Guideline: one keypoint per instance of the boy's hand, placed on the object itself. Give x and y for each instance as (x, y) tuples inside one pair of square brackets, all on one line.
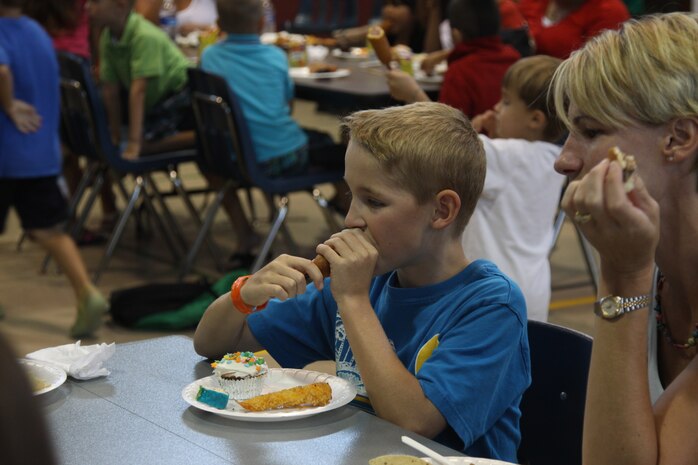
[(132, 151), (486, 123), (403, 87), (283, 278), (24, 116), (352, 256)]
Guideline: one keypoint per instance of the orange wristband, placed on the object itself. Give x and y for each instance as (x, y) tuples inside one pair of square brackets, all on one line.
[(238, 303)]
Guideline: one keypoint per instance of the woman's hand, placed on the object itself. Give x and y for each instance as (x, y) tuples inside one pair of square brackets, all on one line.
[(283, 278), (352, 256), (623, 227)]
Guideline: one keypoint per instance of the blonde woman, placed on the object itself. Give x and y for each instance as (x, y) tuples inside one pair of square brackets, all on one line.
[(637, 88)]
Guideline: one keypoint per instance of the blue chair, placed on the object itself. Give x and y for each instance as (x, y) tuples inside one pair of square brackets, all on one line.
[(87, 133), (552, 409), (227, 149), (321, 17)]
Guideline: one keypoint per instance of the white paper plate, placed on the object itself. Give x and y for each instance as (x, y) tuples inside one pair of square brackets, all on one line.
[(354, 53), (279, 378), (470, 461), (49, 374), (425, 78), (304, 73)]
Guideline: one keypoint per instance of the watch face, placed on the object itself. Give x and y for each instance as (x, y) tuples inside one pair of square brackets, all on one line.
[(610, 307)]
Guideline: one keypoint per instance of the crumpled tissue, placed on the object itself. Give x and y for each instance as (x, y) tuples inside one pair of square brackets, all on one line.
[(78, 362)]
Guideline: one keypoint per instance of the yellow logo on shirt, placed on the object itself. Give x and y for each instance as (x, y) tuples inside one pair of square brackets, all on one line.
[(425, 352)]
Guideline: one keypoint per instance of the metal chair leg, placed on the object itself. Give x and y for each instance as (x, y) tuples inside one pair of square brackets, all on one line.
[(120, 225), (203, 231), (282, 211), (210, 243)]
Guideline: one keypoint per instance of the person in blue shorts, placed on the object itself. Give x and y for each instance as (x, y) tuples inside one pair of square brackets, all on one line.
[(436, 343), (30, 157)]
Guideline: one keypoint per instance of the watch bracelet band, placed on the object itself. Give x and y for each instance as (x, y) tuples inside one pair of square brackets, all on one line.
[(635, 303)]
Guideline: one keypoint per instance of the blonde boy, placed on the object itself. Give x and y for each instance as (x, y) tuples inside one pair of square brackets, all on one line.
[(435, 342), (513, 222)]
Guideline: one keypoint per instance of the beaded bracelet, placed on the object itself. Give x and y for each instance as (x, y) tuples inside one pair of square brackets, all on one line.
[(238, 303)]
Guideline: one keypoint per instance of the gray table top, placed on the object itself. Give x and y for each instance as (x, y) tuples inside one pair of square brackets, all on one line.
[(137, 415), (364, 88)]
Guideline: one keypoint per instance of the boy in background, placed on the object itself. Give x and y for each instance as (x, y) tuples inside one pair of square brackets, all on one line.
[(436, 343), (513, 222), (476, 65), (30, 158), (258, 74), (139, 57)]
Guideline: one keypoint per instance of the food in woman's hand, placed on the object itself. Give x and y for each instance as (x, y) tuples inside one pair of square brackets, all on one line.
[(309, 395), (627, 162), (318, 68), (397, 460), (381, 47)]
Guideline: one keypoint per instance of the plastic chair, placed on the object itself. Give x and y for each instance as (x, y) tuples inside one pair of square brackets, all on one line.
[(321, 17), (552, 409), (227, 149), (87, 134)]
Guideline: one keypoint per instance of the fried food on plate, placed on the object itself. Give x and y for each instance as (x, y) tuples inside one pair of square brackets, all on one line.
[(309, 395)]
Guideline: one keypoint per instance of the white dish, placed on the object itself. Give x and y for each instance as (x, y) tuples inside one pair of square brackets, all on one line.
[(279, 378), (425, 78), (43, 372), (354, 53), (304, 73), (470, 461)]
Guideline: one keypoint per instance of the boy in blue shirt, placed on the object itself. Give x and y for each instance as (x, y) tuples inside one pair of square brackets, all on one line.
[(435, 342), (258, 74), (30, 158)]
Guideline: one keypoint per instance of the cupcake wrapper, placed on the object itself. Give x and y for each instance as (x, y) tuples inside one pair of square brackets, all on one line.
[(241, 389)]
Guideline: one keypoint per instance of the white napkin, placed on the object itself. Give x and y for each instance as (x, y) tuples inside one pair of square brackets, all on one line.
[(78, 362)]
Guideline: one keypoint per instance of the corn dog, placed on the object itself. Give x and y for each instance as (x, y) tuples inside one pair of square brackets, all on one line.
[(310, 395), (379, 42)]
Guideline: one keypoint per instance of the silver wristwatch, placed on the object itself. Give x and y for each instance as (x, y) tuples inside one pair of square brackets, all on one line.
[(612, 306)]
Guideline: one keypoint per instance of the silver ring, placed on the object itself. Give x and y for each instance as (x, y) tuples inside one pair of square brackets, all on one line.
[(581, 218)]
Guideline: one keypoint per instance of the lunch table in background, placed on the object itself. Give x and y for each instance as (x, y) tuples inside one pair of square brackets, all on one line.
[(364, 88), (137, 415)]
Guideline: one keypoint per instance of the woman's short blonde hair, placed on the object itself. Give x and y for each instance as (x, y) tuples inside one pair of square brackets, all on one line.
[(646, 72), (424, 148)]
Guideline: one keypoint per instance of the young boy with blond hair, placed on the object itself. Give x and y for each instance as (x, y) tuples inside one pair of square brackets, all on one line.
[(513, 222), (435, 342)]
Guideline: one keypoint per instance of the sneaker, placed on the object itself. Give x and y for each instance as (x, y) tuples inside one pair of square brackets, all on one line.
[(91, 309)]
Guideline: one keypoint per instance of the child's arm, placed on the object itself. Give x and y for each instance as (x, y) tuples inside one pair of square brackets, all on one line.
[(395, 393), (136, 114), (224, 329), (404, 87), (23, 115), (112, 103)]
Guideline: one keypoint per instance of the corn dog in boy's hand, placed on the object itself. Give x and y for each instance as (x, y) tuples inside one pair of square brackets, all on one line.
[(322, 263), (379, 42)]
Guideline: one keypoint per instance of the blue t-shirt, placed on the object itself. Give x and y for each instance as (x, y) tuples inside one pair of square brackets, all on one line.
[(28, 51), (464, 339), (258, 74)]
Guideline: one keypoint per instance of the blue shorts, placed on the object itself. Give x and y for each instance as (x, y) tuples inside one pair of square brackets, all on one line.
[(40, 203)]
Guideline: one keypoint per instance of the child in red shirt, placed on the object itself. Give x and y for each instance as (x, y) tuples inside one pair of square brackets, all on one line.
[(476, 65)]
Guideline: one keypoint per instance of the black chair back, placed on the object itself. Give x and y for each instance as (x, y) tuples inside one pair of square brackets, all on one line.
[(552, 409)]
